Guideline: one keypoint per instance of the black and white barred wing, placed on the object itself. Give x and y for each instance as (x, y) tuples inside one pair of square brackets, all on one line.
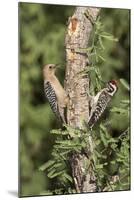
[(52, 99), (99, 108)]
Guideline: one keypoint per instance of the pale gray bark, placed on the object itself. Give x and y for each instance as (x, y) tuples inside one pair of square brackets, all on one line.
[(77, 84)]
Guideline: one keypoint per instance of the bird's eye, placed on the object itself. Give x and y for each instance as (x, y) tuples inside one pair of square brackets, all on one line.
[(50, 67)]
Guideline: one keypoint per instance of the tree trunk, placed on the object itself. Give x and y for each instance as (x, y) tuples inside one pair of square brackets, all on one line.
[(77, 86)]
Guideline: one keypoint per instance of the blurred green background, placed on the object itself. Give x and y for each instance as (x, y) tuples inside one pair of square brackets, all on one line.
[(42, 33)]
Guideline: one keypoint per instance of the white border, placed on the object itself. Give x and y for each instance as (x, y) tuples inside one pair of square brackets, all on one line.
[(9, 97), (96, 3)]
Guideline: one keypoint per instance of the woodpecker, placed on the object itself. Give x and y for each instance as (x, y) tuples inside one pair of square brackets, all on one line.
[(54, 92), (99, 103)]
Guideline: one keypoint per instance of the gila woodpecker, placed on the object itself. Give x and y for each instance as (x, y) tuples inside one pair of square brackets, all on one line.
[(54, 92), (99, 103)]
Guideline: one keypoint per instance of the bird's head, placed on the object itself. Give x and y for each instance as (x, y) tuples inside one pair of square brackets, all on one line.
[(112, 87), (49, 70)]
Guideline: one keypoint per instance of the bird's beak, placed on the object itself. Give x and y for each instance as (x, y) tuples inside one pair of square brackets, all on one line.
[(57, 65)]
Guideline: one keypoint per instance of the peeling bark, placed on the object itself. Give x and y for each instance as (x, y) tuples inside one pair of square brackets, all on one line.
[(76, 85)]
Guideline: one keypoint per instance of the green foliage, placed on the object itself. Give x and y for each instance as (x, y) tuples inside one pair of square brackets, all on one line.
[(42, 32), (96, 51), (111, 160), (67, 142), (111, 155), (125, 84)]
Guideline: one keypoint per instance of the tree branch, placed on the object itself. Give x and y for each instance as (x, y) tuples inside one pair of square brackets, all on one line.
[(77, 85)]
